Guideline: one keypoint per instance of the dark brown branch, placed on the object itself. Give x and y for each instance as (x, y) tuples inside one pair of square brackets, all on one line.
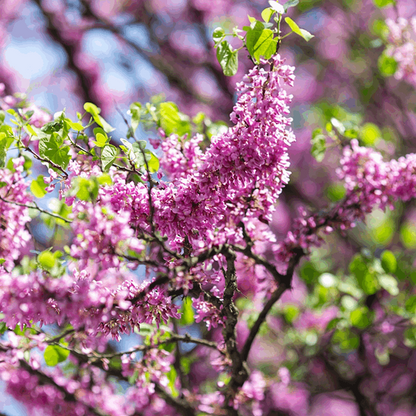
[(68, 397), (180, 405), (239, 368)]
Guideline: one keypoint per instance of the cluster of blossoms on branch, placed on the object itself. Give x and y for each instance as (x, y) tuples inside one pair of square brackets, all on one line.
[(402, 47), (141, 240), (370, 183)]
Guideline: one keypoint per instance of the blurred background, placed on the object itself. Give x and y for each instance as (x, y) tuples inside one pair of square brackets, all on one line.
[(114, 52)]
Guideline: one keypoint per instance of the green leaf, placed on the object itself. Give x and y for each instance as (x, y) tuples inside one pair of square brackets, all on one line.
[(389, 283), (187, 317), (92, 109), (277, 7), (410, 337), (379, 28), (266, 14), (291, 312), (290, 3), (296, 29), (101, 140), (365, 278), (74, 126), (335, 192), (18, 330), (95, 112), (410, 305), (153, 162), (387, 65), (260, 42), (346, 339), (228, 58), (2, 117), (52, 127), (38, 186), (172, 376), (54, 354), (46, 259), (383, 3), (318, 142), (370, 134), (332, 324), (105, 179), (218, 34), (388, 261), (408, 235), (86, 189), (169, 117), (361, 317), (135, 112), (108, 156), (3, 327), (6, 139), (52, 148), (309, 273)]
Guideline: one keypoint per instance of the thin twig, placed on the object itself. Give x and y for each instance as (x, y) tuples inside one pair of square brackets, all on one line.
[(36, 206)]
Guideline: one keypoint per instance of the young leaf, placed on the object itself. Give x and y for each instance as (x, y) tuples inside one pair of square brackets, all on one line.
[(218, 34), (277, 7), (46, 259), (153, 162), (290, 3), (318, 142), (387, 65), (108, 156), (187, 317), (266, 14), (135, 112), (5, 141), (228, 58), (101, 140), (260, 42), (169, 117), (95, 112), (383, 3), (38, 186), (52, 148), (361, 317), (364, 276), (74, 126), (86, 189), (388, 261), (296, 29), (54, 354)]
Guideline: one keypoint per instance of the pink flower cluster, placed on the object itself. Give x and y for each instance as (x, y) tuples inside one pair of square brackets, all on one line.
[(243, 171), (370, 182), (101, 234), (207, 312), (14, 237), (82, 302), (402, 47), (180, 156)]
